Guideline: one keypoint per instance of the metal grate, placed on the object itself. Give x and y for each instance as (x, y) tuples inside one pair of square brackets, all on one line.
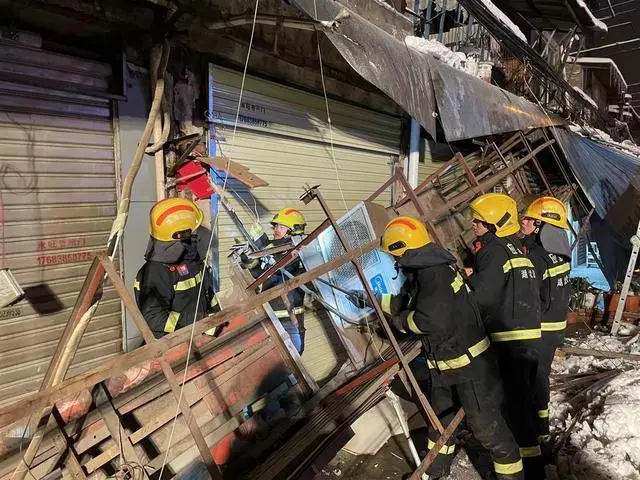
[(356, 229)]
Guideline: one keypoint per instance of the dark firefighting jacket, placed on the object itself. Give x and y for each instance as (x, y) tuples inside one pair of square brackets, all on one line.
[(167, 292), (552, 272), (506, 287), (296, 296), (435, 303)]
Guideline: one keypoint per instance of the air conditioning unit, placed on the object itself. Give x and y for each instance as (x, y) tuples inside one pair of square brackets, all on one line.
[(614, 109), (362, 224)]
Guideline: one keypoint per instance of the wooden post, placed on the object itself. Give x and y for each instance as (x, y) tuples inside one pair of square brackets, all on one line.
[(147, 335), (413, 383)]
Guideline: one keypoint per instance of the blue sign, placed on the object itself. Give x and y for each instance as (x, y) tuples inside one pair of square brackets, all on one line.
[(378, 285)]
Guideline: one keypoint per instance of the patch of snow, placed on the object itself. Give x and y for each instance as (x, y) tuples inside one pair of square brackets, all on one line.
[(586, 97), (506, 21), (606, 442), (598, 24), (603, 137), (441, 52)]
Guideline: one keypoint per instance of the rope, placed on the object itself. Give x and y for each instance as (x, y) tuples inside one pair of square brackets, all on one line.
[(335, 166), (213, 222)]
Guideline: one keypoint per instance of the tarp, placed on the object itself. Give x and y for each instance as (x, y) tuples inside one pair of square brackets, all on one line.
[(423, 86), (610, 179)]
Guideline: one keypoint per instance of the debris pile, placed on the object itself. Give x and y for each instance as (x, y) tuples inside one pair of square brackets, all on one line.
[(596, 422)]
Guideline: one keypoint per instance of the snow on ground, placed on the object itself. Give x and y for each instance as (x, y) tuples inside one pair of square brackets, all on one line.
[(499, 14), (438, 50), (605, 441), (586, 97)]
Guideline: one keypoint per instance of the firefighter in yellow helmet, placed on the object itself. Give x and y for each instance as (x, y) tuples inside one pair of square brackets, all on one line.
[(288, 222), (544, 224), (435, 304), (168, 284), (506, 287)]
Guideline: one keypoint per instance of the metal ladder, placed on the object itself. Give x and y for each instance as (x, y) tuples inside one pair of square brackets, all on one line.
[(635, 242)]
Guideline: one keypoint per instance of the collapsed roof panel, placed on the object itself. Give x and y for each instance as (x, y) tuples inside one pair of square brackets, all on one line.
[(420, 84)]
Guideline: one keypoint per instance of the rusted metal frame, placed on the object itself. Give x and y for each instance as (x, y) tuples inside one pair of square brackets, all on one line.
[(463, 197), (503, 160), (433, 453), (520, 176), (289, 257), (269, 251), (390, 181), (147, 335), (416, 203), (423, 186), (525, 141), (505, 147), (61, 360), (365, 377), (73, 464), (17, 410), (118, 434), (428, 411), (471, 178)]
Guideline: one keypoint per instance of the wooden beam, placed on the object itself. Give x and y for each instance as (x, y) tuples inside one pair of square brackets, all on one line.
[(61, 360), (433, 453), (599, 353), (74, 385), (124, 445), (147, 335)]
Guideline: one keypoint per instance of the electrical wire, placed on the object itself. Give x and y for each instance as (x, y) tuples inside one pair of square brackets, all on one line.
[(335, 165), (213, 222)]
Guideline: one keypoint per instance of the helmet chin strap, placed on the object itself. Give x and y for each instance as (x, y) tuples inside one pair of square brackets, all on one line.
[(538, 225)]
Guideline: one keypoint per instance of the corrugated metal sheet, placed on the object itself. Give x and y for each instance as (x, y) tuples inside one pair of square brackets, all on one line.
[(603, 173), (58, 201), (283, 137)]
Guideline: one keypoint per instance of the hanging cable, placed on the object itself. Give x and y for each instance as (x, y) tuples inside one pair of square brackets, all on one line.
[(213, 222)]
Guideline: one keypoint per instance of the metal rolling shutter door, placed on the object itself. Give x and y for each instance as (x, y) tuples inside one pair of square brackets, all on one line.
[(58, 201), (283, 137)]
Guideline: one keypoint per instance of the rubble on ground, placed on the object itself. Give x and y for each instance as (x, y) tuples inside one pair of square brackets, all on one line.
[(599, 430)]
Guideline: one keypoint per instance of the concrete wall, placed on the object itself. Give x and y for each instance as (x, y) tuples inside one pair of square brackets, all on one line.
[(132, 116)]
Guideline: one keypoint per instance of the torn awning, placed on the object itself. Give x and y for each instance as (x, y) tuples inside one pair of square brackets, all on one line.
[(610, 179), (423, 86)]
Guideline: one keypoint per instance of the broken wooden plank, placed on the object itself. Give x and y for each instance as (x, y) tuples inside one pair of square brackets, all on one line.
[(74, 385), (241, 173), (600, 353)]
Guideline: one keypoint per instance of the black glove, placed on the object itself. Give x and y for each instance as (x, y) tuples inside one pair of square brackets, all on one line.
[(397, 322), (359, 299)]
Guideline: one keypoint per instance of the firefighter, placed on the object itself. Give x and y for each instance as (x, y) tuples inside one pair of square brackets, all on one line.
[(286, 223), (435, 303), (506, 287), (544, 224), (173, 288)]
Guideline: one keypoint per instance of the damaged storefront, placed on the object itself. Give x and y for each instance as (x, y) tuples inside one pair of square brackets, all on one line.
[(261, 133)]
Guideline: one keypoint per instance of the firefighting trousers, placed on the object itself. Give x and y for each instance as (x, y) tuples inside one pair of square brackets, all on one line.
[(550, 342), (518, 365), (481, 399)]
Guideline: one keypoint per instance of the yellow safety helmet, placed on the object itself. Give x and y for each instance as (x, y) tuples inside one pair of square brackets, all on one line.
[(549, 210), (499, 210), (173, 215), (402, 234), (290, 218)]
